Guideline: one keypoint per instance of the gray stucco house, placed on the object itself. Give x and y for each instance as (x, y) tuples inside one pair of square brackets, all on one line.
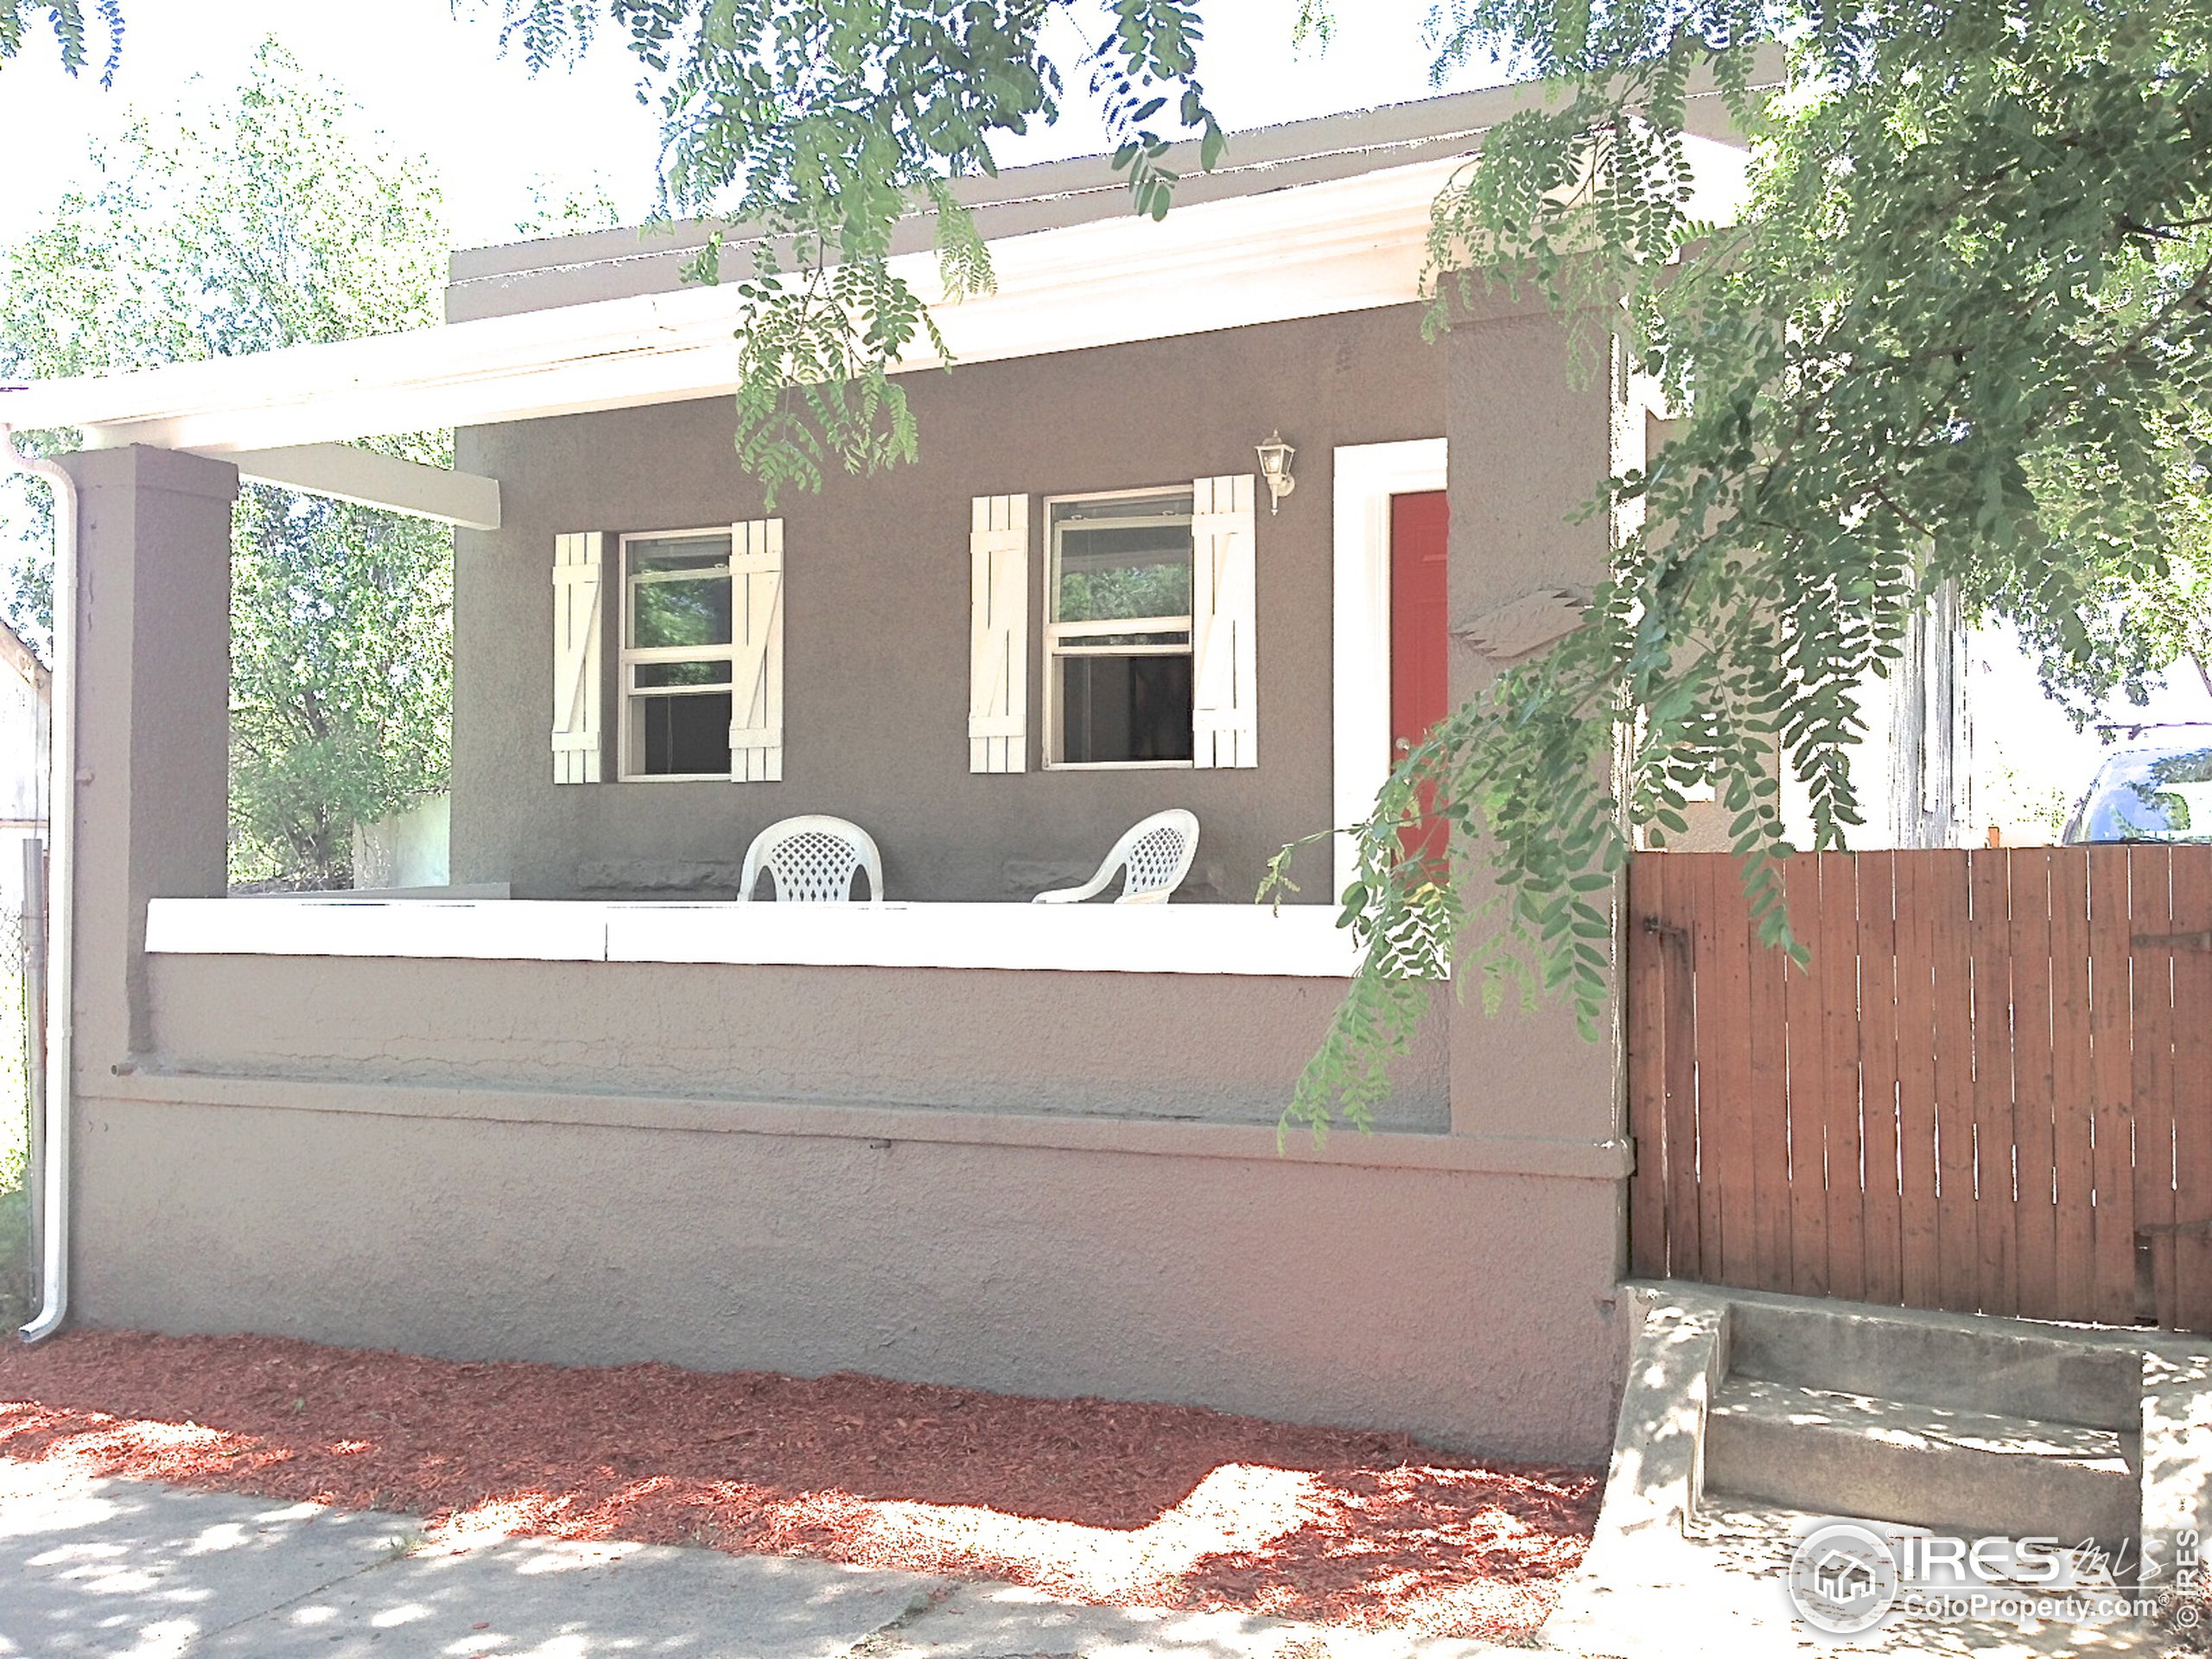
[(954, 1136)]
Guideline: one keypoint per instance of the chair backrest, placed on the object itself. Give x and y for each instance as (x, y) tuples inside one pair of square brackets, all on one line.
[(812, 861), (1157, 853)]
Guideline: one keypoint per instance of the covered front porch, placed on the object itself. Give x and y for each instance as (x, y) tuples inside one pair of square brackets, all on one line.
[(952, 1135)]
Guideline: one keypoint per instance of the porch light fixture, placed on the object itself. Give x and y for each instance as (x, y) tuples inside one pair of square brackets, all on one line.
[(1274, 467)]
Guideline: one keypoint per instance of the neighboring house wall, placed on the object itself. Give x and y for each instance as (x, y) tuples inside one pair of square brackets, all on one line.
[(1930, 798), (26, 721), (876, 625), (1911, 769), (407, 849)]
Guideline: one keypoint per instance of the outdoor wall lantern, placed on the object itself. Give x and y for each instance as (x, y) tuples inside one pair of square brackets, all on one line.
[(1274, 467)]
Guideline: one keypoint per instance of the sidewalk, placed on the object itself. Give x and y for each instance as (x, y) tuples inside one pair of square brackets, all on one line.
[(126, 1569)]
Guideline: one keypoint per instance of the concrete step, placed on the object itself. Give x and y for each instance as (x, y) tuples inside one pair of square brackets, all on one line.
[(1949, 1468), (1898, 1356)]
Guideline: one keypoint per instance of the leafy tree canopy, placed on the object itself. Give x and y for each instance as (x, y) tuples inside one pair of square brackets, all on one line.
[(67, 18), (260, 225)]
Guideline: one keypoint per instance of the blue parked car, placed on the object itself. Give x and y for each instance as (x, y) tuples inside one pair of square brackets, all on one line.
[(2161, 792)]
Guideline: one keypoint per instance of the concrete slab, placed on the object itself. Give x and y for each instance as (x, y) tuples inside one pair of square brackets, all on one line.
[(127, 1568), (997, 1621), (539, 1599)]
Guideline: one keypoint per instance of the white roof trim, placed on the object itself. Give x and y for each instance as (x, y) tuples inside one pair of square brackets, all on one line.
[(1313, 250), (1309, 250)]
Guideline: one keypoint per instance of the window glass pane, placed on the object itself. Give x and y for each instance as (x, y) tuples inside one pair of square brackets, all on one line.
[(679, 592), (1122, 558), (696, 555), (684, 734), (651, 675), (1080, 642), (1125, 708)]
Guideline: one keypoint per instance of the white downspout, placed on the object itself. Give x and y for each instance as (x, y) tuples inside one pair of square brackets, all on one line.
[(60, 890)]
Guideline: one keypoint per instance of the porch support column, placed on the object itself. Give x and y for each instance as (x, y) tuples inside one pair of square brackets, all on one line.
[(1528, 445), (153, 722)]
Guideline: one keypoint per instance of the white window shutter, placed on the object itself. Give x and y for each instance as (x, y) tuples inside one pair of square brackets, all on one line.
[(998, 634), (1225, 716), (756, 703), (578, 563)]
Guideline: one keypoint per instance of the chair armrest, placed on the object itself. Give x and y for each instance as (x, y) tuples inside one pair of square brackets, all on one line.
[(1089, 889)]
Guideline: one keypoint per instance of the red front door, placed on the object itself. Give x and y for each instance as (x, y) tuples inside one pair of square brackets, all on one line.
[(1421, 693)]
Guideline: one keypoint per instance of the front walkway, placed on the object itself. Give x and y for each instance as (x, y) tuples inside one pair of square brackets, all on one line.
[(129, 1569)]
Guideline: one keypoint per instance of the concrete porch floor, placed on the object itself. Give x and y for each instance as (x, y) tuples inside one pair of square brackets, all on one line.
[(128, 1569)]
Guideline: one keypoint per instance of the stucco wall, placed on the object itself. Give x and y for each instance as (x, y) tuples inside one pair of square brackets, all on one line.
[(876, 618), (1212, 1048), (1471, 1308)]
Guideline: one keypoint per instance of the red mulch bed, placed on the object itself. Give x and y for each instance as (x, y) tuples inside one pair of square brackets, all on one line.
[(1083, 1499)]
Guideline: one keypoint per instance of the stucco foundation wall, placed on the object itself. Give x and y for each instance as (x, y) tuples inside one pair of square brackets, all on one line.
[(1455, 1305), (1221, 1048), (876, 618)]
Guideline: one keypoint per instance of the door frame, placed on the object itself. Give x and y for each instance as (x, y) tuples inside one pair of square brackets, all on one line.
[(1367, 476)]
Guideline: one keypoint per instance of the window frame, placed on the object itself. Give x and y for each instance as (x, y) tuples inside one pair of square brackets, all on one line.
[(629, 658), (1056, 634)]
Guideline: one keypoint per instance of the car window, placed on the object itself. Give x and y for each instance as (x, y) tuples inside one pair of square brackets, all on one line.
[(2148, 795)]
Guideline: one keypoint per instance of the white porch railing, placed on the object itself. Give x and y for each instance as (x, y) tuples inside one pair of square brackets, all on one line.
[(1301, 941)]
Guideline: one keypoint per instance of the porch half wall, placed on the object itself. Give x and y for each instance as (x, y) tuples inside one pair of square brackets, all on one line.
[(1190, 1048), (1060, 1182)]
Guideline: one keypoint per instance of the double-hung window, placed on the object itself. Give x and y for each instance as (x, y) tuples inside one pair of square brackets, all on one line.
[(1117, 632), (677, 655)]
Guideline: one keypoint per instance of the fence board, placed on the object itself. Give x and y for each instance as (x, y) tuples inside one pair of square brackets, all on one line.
[(1808, 1203), (1950, 923), (1704, 915), (1995, 1213), (1917, 1202), (1646, 990), (2151, 921), (1836, 966), (1770, 1109), (2035, 1149), (1685, 1205), (1995, 1080), (2112, 1072), (1724, 1056), (1877, 1061), (2192, 1085), (2073, 1090)]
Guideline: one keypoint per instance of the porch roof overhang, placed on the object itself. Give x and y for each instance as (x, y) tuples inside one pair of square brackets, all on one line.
[(1313, 249)]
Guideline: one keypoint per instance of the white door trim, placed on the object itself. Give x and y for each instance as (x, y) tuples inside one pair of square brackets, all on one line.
[(1367, 475)]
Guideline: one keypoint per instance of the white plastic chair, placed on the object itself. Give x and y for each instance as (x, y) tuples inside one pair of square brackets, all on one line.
[(1156, 851), (812, 861)]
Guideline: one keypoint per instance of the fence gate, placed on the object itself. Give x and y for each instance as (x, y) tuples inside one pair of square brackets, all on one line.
[(1989, 1091)]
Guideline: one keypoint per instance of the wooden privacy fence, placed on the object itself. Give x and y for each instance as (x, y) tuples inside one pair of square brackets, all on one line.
[(1989, 1091)]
